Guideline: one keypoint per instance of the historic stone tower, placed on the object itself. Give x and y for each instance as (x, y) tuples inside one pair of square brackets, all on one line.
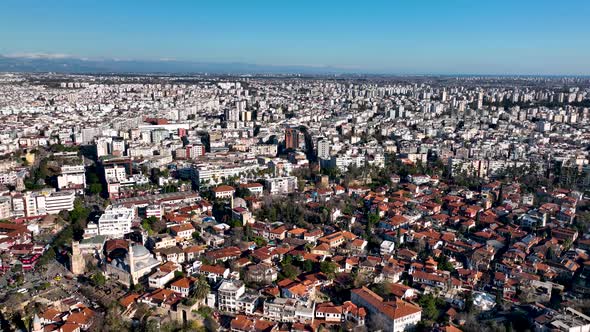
[(77, 262)]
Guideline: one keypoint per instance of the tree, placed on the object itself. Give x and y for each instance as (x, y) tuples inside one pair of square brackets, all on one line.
[(332, 172), (582, 222), (428, 304), (210, 324), (147, 227), (567, 243), (307, 265), (469, 307), (444, 264), (243, 192), (201, 289), (550, 254), (328, 268), (382, 289), (260, 242), (98, 279), (289, 271), (153, 225), (113, 321), (373, 218), (95, 188)]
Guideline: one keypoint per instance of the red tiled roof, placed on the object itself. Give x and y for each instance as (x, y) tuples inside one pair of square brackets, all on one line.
[(393, 310)]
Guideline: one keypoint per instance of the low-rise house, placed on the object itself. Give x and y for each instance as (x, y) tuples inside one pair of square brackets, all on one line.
[(242, 323), (223, 192), (183, 286), (160, 241), (163, 275), (161, 298), (353, 313), (223, 254), (213, 273), (255, 188), (192, 252), (437, 280), (358, 245), (397, 316), (182, 231), (287, 311), (313, 236), (170, 254), (262, 273), (329, 312), (301, 291)]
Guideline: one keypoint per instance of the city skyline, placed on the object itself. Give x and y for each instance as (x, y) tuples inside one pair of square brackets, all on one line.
[(502, 38)]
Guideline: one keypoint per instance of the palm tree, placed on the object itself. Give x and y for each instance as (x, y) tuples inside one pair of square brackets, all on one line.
[(202, 289)]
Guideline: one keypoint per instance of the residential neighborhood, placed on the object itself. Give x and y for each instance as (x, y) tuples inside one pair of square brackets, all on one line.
[(217, 203)]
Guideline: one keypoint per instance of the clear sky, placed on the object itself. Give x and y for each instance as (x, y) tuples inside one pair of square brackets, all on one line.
[(412, 36)]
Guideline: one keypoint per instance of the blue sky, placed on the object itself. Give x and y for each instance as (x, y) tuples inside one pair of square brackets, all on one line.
[(439, 36)]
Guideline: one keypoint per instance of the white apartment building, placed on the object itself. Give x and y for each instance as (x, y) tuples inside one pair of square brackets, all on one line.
[(72, 177), (324, 149), (209, 174), (8, 177), (264, 149), (115, 173), (18, 206), (116, 221), (39, 203), (228, 294), (287, 311), (118, 147), (386, 247), (281, 185), (343, 162), (59, 201), (102, 146), (5, 207)]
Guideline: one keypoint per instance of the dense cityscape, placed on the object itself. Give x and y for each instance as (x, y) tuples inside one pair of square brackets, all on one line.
[(294, 203)]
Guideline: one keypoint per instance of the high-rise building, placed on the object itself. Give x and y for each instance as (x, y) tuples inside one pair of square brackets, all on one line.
[(246, 116), (233, 114), (102, 146), (480, 100), (291, 138), (324, 149)]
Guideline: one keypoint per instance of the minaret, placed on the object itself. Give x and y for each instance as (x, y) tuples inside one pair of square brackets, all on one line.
[(131, 263), (36, 326)]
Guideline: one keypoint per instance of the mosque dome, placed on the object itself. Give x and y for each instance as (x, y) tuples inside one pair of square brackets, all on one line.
[(140, 251)]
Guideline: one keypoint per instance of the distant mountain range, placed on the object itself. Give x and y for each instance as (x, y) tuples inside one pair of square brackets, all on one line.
[(66, 64)]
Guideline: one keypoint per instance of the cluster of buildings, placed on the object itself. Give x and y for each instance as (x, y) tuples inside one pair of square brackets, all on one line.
[(188, 167)]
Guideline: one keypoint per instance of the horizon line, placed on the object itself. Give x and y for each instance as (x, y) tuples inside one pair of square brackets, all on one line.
[(337, 70)]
